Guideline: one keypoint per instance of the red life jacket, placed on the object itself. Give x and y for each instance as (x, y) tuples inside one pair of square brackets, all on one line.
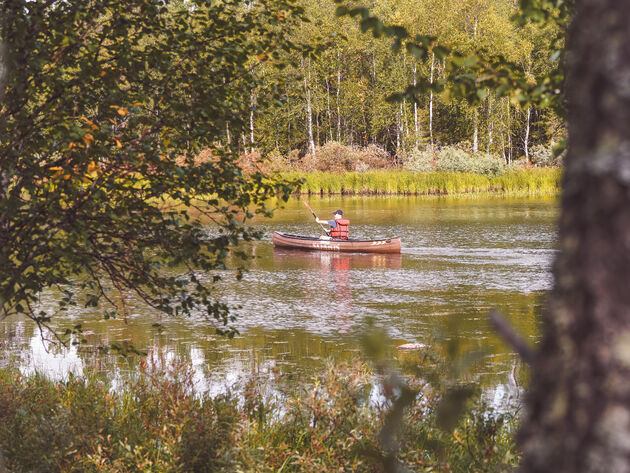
[(341, 230)]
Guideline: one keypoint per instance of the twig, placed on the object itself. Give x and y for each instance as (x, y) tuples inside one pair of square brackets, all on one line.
[(511, 337)]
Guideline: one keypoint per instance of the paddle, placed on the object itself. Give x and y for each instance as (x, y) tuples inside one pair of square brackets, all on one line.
[(309, 207)]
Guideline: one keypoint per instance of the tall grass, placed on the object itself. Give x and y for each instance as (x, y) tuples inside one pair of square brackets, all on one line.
[(537, 181), (157, 423)]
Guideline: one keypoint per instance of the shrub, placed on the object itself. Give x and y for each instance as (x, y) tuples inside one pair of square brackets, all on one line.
[(330, 423), (277, 162), (335, 157), (421, 160), (457, 160), (543, 156)]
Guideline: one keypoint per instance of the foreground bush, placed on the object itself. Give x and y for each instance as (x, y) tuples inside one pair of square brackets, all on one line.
[(158, 423)]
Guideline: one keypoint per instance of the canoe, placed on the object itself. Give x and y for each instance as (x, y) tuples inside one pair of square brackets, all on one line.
[(288, 240)]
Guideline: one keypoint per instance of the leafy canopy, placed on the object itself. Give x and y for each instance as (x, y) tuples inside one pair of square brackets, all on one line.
[(105, 106), (469, 75)]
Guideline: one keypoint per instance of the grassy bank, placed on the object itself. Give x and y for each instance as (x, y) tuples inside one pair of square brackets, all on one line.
[(534, 182), (158, 423)]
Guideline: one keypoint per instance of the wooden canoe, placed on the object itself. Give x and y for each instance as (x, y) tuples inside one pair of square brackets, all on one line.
[(287, 240)]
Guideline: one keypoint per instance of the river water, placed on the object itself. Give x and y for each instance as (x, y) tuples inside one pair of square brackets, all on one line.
[(297, 311)]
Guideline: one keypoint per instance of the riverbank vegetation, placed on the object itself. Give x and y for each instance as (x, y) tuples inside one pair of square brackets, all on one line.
[(530, 182), (338, 421), (341, 169)]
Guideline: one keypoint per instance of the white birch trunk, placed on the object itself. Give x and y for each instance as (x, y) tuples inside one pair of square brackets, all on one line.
[(309, 112), (397, 132), (509, 133), (338, 105), (490, 123), (402, 125), (475, 132), (415, 108), (431, 100), (252, 100), (526, 140)]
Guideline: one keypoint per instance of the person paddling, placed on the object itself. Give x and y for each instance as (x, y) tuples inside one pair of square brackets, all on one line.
[(338, 226)]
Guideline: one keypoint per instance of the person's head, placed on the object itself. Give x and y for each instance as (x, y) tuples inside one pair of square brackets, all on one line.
[(338, 214)]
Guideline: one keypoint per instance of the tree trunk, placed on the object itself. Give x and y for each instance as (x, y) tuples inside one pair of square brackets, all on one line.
[(431, 100), (509, 132), (338, 105), (490, 123), (578, 416), (415, 110), (252, 101), (397, 133), (309, 112), (403, 111), (475, 132), (330, 129), (288, 108), (526, 140), (402, 126), (317, 128)]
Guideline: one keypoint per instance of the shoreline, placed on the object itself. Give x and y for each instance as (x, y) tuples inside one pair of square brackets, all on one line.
[(525, 182)]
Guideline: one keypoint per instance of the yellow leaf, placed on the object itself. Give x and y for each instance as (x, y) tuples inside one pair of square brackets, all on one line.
[(92, 167), (58, 171), (88, 138), (118, 143), (114, 106)]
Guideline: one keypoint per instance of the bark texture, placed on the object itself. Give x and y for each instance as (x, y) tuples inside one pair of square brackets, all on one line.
[(578, 417)]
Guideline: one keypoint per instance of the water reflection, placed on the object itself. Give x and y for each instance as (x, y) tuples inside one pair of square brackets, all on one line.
[(336, 262), (333, 270)]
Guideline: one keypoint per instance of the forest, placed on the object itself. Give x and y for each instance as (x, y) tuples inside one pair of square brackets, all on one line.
[(340, 92)]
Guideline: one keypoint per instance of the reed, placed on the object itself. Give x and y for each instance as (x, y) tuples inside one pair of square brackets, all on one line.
[(535, 182)]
